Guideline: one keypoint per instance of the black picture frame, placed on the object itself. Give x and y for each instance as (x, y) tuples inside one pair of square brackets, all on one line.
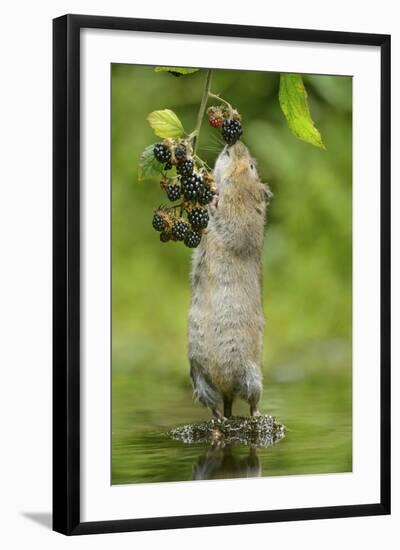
[(66, 273)]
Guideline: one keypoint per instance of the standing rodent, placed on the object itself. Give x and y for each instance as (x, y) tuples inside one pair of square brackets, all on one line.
[(226, 320)]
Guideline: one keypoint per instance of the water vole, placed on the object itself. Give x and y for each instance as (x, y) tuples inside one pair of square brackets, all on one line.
[(226, 320)]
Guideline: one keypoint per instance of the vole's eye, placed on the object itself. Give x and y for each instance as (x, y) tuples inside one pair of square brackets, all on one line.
[(251, 166)]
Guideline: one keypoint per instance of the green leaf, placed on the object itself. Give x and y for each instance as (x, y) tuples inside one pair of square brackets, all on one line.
[(176, 71), (166, 124), (293, 101), (149, 167)]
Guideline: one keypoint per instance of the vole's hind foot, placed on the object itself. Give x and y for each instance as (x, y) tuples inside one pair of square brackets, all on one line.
[(217, 414), (254, 411), (227, 407)]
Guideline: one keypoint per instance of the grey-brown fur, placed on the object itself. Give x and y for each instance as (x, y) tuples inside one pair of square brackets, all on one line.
[(226, 320)]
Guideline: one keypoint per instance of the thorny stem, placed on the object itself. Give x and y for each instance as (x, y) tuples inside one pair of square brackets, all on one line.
[(174, 206), (203, 105)]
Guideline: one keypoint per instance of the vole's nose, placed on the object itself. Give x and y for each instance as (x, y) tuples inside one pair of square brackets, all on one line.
[(238, 150)]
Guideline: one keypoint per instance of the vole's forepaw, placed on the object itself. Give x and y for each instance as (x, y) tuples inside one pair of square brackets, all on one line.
[(213, 204)]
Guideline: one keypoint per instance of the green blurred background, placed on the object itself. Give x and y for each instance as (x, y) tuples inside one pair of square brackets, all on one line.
[(307, 278)]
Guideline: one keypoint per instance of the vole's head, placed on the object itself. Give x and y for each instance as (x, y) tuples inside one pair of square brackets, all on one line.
[(236, 170)]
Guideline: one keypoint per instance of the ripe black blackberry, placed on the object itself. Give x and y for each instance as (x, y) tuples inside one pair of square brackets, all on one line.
[(192, 239), (198, 218), (204, 195), (162, 153), (190, 186), (185, 168), (173, 192), (180, 230), (158, 222), (168, 165), (231, 130), (165, 237), (180, 153)]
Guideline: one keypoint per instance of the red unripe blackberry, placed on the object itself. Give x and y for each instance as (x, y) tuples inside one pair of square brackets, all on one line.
[(192, 239), (180, 230), (173, 192), (185, 168), (231, 130), (162, 153), (216, 121), (198, 218), (158, 222)]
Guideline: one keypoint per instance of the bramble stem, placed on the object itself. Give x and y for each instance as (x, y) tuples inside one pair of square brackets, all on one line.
[(203, 105), (215, 96), (203, 162)]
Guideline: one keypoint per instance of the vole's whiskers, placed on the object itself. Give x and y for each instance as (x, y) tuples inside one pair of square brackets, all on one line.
[(217, 140), (209, 148)]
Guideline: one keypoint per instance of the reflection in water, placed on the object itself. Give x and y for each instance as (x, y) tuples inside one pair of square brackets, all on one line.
[(224, 463), (232, 444)]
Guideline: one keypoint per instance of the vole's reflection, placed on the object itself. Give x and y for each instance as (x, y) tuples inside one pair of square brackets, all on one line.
[(225, 463)]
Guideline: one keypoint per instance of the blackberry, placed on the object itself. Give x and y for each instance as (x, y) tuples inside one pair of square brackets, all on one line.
[(161, 153), (198, 218), (231, 131), (180, 230), (215, 117), (165, 237), (192, 239), (191, 186), (185, 168), (158, 222), (180, 153), (215, 121), (168, 165), (204, 195), (173, 192)]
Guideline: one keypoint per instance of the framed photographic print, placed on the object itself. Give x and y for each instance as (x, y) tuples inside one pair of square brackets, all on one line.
[(221, 274)]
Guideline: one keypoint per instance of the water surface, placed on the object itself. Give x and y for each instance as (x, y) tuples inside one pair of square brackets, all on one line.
[(315, 409)]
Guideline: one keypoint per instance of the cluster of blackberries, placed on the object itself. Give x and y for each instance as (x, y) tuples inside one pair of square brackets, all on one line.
[(195, 185), (172, 228), (190, 182), (229, 122), (170, 154), (194, 188)]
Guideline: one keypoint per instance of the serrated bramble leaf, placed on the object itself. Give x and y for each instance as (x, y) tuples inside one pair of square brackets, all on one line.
[(166, 124), (177, 71), (294, 104), (149, 167)]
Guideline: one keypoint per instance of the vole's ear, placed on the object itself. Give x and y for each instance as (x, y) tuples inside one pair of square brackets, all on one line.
[(267, 194)]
